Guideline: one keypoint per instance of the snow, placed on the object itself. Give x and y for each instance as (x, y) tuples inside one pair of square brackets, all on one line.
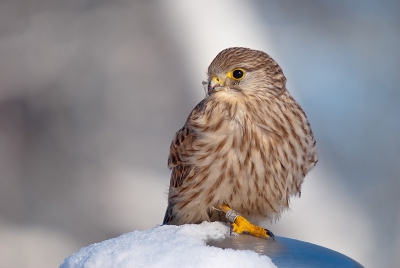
[(167, 246)]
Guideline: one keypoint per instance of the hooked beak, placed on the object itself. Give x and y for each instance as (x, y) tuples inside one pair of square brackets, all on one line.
[(216, 84)]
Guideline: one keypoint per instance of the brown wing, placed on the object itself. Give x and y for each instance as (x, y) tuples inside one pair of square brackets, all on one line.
[(178, 153), (181, 149)]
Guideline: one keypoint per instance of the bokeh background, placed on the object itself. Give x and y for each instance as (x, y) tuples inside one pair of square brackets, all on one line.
[(92, 92)]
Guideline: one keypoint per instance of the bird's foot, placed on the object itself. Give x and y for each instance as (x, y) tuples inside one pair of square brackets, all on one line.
[(241, 225)]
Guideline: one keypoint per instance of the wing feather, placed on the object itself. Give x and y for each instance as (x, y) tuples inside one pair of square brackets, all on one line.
[(180, 151)]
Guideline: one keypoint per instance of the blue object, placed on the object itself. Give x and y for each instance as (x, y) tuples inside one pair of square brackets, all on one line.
[(286, 252)]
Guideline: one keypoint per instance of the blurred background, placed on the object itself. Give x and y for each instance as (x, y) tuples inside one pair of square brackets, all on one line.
[(92, 92)]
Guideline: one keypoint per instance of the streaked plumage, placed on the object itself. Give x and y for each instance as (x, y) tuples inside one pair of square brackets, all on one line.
[(247, 144)]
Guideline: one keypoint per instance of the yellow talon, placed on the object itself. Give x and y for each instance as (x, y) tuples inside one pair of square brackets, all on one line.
[(242, 225)]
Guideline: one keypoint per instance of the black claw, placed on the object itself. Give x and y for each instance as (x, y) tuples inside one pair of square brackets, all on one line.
[(270, 234), (230, 230)]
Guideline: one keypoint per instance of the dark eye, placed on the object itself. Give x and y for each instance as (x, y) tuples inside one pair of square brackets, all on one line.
[(237, 74)]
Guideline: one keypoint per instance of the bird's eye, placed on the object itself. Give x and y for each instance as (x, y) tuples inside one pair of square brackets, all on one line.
[(236, 74)]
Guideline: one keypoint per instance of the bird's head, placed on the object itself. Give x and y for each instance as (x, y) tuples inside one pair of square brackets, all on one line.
[(244, 70)]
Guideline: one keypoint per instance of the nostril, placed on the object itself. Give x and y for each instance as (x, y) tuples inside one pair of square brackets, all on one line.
[(216, 79)]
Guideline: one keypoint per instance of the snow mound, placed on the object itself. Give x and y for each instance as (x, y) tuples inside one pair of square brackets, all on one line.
[(167, 246)]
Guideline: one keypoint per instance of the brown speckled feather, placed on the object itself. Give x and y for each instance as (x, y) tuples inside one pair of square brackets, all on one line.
[(179, 151), (248, 144)]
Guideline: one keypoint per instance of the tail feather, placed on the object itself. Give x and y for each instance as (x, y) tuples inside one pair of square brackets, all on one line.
[(168, 216)]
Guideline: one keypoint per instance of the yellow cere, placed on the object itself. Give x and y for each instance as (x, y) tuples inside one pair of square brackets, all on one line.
[(216, 80)]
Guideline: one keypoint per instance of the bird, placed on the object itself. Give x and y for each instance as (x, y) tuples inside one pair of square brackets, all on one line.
[(244, 150)]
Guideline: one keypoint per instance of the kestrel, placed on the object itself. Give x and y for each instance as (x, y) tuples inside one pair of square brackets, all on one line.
[(244, 149)]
